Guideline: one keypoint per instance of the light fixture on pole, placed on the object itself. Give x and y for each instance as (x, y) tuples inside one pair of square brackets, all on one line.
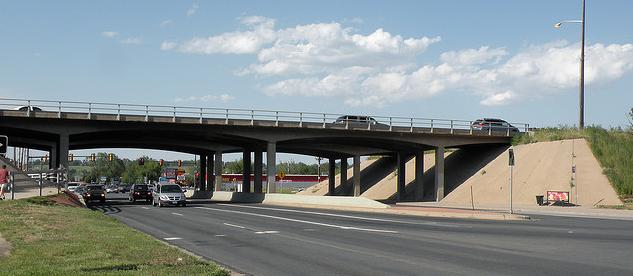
[(581, 100)]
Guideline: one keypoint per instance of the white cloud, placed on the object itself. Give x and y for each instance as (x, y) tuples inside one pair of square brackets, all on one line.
[(166, 22), (381, 68), (192, 10), (132, 40), (223, 98), (109, 34)]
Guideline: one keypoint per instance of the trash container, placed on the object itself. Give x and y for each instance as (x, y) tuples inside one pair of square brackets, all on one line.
[(539, 200)]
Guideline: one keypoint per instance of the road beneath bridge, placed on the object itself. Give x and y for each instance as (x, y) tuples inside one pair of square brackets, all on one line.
[(268, 240)]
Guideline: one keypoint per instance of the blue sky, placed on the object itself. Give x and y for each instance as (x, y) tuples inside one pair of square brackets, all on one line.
[(437, 59)]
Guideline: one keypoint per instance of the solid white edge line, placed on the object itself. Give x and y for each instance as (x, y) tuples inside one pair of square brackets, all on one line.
[(297, 220), (177, 214), (171, 239), (342, 216), (233, 225)]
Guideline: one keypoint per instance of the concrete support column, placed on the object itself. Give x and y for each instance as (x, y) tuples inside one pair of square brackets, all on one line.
[(257, 180), (210, 170), (219, 168), (62, 151), (400, 183), (246, 174), (53, 161), (343, 172), (202, 186), (439, 173), (331, 177), (356, 175), (271, 166), (419, 175)]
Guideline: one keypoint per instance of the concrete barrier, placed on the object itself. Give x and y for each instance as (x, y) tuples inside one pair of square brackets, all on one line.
[(343, 201)]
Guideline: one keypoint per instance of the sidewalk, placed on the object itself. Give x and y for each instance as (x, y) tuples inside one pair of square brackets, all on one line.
[(578, 211)]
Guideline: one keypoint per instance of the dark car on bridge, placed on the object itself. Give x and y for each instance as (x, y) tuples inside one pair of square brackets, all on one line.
[(139, 192), (356, 121), (491, 124), (94, 193)]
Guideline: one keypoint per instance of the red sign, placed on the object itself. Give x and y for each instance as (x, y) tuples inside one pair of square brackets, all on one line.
[(557, 196)]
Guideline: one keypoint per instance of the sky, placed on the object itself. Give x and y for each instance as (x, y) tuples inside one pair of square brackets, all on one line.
[(431, 59)]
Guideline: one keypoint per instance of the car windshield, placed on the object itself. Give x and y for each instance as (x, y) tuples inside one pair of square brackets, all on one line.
[(141, 188), (95, 188), (170, 189)]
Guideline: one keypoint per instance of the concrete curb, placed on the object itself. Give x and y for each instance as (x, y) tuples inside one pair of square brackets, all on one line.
[(288, 199)]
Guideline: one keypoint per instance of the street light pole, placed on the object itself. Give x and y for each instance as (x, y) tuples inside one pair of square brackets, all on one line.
[(581, 85), (581, 115)]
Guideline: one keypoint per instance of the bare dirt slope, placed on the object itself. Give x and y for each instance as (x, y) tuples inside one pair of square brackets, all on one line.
[(540, 167)]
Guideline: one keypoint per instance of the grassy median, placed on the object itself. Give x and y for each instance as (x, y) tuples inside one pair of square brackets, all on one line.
[(50, 239)]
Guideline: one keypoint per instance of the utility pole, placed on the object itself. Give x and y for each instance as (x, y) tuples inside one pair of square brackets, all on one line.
[(581, 85)]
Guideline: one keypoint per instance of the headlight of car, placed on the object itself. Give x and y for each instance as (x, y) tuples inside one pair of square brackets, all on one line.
[(164, 197)]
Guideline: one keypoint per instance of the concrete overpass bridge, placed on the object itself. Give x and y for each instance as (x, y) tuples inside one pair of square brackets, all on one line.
[(61, 126)]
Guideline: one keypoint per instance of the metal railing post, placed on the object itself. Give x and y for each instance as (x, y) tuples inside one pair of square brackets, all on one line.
[(118, 112), (146, 113), (323, 120), (489, 129), (432, 126), (470, 124), (390, 124), (300, 119), (89, 111), (411, 122), (201, 115), (508, 130), (452, 127), (173, 118), (252, 117), (28, 108), (276, 118), (59, 110)]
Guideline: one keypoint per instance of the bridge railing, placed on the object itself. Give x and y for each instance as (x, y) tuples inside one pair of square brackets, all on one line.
[(279, 118)]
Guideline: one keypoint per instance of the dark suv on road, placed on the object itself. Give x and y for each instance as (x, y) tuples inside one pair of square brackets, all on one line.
[(94, 193), (491, 124), (140, 191)]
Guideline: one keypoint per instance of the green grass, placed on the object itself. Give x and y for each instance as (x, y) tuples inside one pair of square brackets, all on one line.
[(613, 148), (49, 239)]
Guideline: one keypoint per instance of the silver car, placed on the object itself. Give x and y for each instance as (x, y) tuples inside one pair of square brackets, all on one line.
[(168, 195)]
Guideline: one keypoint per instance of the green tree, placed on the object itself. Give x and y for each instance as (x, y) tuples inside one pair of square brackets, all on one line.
[(103, 167), (135, 173)]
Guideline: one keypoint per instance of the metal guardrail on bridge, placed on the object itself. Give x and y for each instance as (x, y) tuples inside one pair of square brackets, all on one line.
[(323, 120)]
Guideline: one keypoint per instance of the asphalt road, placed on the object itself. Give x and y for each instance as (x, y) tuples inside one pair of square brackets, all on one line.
[(267, 240)]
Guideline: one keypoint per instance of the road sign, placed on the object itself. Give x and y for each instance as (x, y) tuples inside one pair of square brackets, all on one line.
[(4, 143), (282, 175)]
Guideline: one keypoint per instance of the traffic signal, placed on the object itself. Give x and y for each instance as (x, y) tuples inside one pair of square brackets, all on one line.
[(161, 162), (71, 157), (179, 163), (110, 157), (93, 157), (141, 161)]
